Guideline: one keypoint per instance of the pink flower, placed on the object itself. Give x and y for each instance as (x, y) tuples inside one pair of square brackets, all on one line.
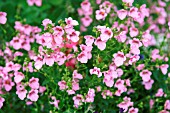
[(98, 1), (164, 68), (98, 88), (78, 99), (71, 22), (58, 30), (101, 14), (134, 59), (70, 92), (42, 89), (129, 2), (151, 103), (46, 22), (63, 85), (140, 67), (74, 36), (38, 62), (55, 102), (167, 105), (85, 5), (96, 71), (106, 93), (144, 10), (82, 57), (119, 72), (119, 58), (146, 38), (34, 83), (109, 77), (125, 104), (145, 74), (75, 85), (8, 84), (33, 95), (122, 14), (133, 110), (134, 13), (36, 2), (133, 32), (49, 60), (3, 18), (121, 37), (160, 93), (106, 34), (89, 40), (148, 84), (100, 44), (2, 100), (90, 95), (21, 93), (77, 75), (19, 76), (86, 21)]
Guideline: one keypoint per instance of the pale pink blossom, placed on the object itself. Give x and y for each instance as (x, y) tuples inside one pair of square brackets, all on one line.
[(3, 18), (63, 85), (101, 14), (71, 22), (133, 32), (146, 75), (34, 83), (148, 84), (119, 58), (133, 110), (122, 14), (55, 102), (164, 68), (33, 95), (167, 105), (96, 71), (89, 40), (2, 100), (19, 76), (78, 99), (100, 44), (36, 2), (159, 93)]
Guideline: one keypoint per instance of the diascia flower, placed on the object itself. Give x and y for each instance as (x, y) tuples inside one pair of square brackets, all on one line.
[(34, 83), (133, 110), (19, 76), (3, 18), (160, 93), (33, 95), (96, 71), (145, 74), (122, 14), (55, 102), (119, 58), (2, 100), (101, 14), (21, 92), (164, 68), (78, 99), (36, 2), (133, 32), (167, 105), (100, 44), (148, 84), (71, 22)]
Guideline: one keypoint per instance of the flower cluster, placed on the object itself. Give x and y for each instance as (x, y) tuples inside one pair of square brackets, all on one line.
[(121, 65)]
